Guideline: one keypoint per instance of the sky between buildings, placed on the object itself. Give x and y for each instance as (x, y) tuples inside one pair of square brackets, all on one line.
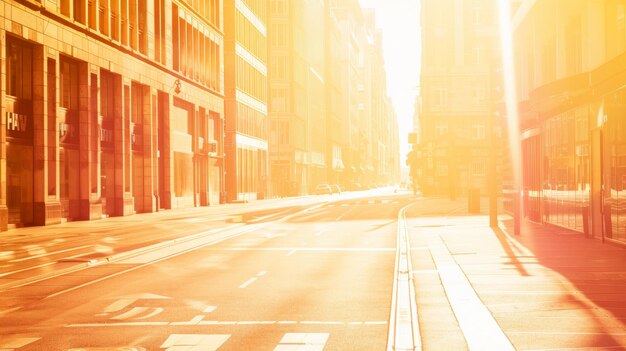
[(400, 22)]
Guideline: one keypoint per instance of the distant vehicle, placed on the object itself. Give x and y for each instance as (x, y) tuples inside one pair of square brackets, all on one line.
[(322, 189), (335, 189)]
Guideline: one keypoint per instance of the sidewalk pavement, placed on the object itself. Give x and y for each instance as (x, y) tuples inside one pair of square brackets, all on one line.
[(548, 288)]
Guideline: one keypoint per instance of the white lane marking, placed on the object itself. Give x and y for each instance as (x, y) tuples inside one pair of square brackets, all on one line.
[(49, 253), (480, 329), (291, 252), (261, 273), (190, 342), (135, 311), (403, 322), (155, 311), (320, 232), (197, 321), (209, 309), (28, 268), (10, 310), (118, 305), (368, 249), (302, 341), (248, 282), (194, 321), (6, 255), (16, 343)]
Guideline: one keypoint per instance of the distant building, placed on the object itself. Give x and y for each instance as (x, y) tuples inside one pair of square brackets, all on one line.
[(109, 108), (297, 79), (458, 43), (246, 101)]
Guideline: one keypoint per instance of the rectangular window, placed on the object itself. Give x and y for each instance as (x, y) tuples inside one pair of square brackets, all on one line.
[(478, 132), (124, 21), (103, 15), (478, 168), (69, 84), (175, 38), (19, 70), (132, 7), (80, 11), (115, 30), (143, 27)]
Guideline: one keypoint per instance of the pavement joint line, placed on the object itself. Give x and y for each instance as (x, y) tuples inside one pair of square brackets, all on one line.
[(149, 248), (403, 333), (478, 325)]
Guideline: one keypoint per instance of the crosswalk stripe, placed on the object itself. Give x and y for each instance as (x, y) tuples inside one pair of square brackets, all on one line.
[(204, 342), (302, 341)]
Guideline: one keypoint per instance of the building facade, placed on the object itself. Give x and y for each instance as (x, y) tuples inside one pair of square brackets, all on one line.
[(246, 99), (455, 116), (298, 133), (570, 71), (104, 103)]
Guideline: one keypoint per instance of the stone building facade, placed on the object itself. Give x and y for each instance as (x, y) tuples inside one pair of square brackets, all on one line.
[(106, 105)]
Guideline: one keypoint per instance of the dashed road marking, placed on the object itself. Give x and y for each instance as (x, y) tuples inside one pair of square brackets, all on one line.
[(291, 252), (209, 309), (248, 282), (261, 273), (320, 232)]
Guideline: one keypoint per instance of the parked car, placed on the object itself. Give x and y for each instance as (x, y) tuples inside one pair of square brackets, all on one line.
[(335, 189), (322, 189)]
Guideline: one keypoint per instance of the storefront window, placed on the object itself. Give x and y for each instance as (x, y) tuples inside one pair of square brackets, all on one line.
[(566, 169), (615, 168)]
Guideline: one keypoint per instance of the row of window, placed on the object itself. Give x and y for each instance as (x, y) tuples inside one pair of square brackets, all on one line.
[(124, 21), (207, 9), (251, 122), (441, 96), (196, 51), (250, 37), (251, 81), (279, 7), (477, 132)]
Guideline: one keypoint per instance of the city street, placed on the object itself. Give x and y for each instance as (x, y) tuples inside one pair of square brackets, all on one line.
[(312, 273)]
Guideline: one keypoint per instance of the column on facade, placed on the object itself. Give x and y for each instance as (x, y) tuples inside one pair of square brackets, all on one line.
[(149, 152), (47, 208), (165, 157), (4, 211), (89, 145), (124, 204)]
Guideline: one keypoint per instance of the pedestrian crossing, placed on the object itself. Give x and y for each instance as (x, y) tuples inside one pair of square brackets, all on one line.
[(189, 342)]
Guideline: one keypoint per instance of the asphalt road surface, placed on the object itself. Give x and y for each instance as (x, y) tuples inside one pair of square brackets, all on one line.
[(373, 270), (316, 280)]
